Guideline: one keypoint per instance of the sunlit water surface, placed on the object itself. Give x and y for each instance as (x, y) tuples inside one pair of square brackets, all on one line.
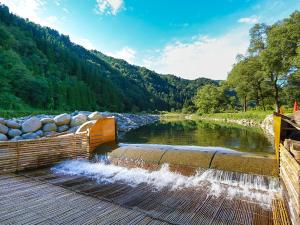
[(201, 133)]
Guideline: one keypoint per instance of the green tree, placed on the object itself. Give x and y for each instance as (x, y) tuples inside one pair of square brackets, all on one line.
[(209, 99), (278, 59)]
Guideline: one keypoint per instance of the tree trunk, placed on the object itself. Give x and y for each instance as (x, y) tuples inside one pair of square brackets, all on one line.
[(276, 97), (245, 104), (262, 98)]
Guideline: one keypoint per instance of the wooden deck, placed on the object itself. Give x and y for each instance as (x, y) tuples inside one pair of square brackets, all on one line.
[(40, 197)]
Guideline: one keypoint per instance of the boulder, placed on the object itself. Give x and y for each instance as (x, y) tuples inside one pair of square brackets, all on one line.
[(78, 120), (13, 124), (14, 132), (49, 127), (47, 120), (29, 136), (267, 126), (62, 119), (50, 133), (3, 129), (39, 133), (31, 125), (3, 137), (17, 138), (2, 121), (73, 129), (62, 128), (95, 116)]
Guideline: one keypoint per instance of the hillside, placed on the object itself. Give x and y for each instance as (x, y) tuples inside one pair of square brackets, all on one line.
[(42, 69)]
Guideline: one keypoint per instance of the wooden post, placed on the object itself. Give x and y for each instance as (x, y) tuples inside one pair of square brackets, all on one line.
[(277, 133)]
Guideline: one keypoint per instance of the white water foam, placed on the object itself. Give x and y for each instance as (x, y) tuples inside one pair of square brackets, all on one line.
[(232, 185)]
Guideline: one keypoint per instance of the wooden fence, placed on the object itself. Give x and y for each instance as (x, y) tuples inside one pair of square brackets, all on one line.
[(290, 175), (28, 154)]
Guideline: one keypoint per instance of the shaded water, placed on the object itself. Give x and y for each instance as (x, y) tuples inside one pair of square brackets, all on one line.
[(201, 133)]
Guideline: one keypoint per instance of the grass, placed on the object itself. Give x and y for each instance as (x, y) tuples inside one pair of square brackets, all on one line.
[(173, 115), (16, 113), (255, 115)]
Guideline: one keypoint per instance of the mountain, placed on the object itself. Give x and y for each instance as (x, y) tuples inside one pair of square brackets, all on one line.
[(40, 68)]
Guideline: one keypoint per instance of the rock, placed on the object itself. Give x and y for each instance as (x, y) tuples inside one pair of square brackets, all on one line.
[(62, 119), (14, 132), (39, 133), (47, 120), (13, 124), (49, 127), (95, 116), (3, 137), (28, 136), (73, 129), (267, 125), (17, 138), (78, 120), (2, 121), (31, 125), (3, 129), (62, 128), (50, 133)]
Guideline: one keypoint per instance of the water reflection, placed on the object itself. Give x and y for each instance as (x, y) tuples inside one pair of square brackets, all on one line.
[(201, 133)]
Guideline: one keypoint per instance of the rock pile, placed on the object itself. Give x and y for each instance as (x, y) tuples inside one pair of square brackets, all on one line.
[(33, 127)]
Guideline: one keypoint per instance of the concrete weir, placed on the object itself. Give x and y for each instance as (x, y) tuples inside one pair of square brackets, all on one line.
[(187, 159)]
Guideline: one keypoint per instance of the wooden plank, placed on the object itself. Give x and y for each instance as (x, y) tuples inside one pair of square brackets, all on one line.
[(41, 203)]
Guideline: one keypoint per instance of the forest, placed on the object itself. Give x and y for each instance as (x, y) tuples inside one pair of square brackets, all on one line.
[(267, 77), (42, 69)]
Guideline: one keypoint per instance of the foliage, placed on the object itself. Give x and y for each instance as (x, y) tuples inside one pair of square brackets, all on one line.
[(269, 73), (214, 98), (42, 69), (21, 113)]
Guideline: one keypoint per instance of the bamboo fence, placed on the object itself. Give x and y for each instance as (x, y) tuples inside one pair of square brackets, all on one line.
[(290, 175), (29, 154)]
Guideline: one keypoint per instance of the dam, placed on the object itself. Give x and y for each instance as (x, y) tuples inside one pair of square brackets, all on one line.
[(103, 182)]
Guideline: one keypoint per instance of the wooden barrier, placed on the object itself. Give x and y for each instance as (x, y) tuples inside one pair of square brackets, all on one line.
[(102, 131), (290, 175), (277, 133), (28, 154)]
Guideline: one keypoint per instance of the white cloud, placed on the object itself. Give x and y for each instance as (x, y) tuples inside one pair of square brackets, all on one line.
[(25, 8), (249, 20), (126, 53), (83, 42), (31, 9), (111, 7), (202, 57)]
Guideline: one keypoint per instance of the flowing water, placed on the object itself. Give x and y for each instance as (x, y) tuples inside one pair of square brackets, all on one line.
[(201, 133), (258, 189)]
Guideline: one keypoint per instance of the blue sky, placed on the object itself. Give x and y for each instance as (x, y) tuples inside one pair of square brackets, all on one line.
[(190, 38)]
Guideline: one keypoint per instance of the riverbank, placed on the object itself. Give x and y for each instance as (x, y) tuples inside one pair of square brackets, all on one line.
[(42, 125), (255, 119)]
